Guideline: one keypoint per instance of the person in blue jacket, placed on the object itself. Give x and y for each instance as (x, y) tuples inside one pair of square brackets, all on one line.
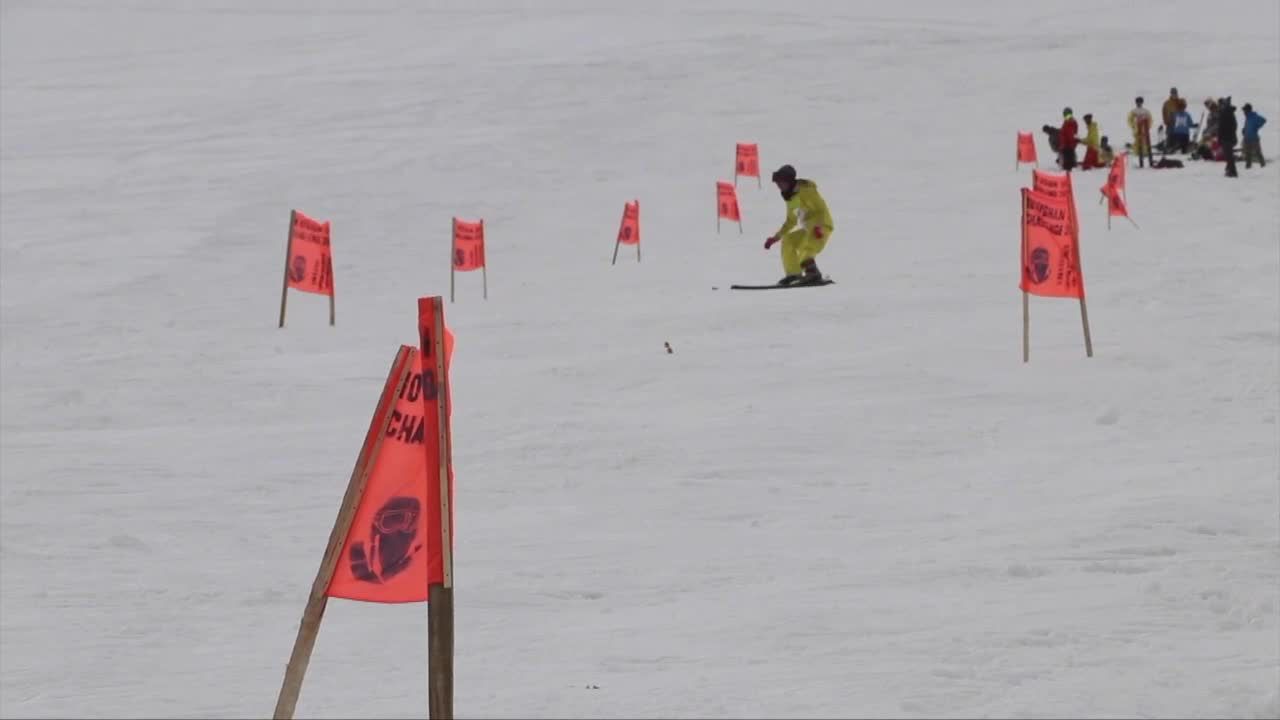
[(1253, 122), (1179, 138)]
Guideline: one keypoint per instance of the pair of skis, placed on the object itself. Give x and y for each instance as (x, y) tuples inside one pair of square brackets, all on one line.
[(824, 280)]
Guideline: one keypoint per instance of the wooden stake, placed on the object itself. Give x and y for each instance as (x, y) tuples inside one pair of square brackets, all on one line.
[(1026, 302), (1084, 313), (440, 652), (1084, 320), (287, 701), (637, 229), (333, 285), (288, 250), (440, 598), (1026, 327)]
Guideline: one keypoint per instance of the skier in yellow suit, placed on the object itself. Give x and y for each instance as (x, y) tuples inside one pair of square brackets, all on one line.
[(806, 230)]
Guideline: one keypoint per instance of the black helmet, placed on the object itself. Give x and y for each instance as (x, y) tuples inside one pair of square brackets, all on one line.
[(786, 173)]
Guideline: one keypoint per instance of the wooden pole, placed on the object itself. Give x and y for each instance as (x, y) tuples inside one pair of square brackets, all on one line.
[(440, 595), (333, 285), (440, 652), (1026, 327), (287, 701), (1084, 320), (1075, 233), (288, 250), (1026, 302), (618, 241)]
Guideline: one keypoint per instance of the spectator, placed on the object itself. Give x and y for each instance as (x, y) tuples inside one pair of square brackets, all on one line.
[(1067, 139), (1169, 109), (1227, 134), (1180, 135), (1253, 122), (1140, 125), (1106, 155), (1091, 133)]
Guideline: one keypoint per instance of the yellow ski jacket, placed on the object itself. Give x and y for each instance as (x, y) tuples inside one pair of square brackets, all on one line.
[(806, 208), (1093, 136)]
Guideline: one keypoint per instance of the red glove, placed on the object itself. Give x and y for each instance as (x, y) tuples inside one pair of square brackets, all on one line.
[(770, 242), (817, 231)]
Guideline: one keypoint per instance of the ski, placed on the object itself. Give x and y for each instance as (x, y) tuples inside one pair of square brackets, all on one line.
[(776, 286)]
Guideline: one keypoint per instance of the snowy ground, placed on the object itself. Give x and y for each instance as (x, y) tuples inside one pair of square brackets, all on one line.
[(848, 501)]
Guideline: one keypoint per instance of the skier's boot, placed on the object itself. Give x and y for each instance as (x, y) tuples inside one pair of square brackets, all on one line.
[(811, 272), (790, 279)]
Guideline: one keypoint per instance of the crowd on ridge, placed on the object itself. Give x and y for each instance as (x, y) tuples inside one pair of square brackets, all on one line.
[(1218, 136)]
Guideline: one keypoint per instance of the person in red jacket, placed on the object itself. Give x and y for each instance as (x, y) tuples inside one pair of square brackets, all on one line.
[(1067, 139)]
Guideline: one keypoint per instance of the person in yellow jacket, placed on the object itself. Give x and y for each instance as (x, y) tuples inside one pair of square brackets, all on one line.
[(1106, 155), (1140, 125), (806, 230), (1092, 138)]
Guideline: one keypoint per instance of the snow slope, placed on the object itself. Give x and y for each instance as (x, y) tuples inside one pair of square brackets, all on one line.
[(848, 501)]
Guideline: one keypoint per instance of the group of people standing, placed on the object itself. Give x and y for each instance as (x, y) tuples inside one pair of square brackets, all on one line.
[(1217, 139), (1064, 141)]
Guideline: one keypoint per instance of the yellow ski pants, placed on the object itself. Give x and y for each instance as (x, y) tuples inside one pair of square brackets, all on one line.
[(800, 245)]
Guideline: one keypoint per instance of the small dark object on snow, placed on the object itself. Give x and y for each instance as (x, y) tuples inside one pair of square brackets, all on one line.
[(667, 345)]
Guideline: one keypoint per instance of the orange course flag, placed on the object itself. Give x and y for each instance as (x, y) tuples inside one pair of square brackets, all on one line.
[(310, 259), (629, 232), (1026, 148), (1050, 257), (1115, 201), (392, 552), (748, 161), (1115, 176), (1056, 185), (468, 245), (727, 201)]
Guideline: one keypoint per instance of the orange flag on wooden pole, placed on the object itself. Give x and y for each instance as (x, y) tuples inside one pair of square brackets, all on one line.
[(467, 252), (308, 265), (727, 205), (629, 230), (747, 163)]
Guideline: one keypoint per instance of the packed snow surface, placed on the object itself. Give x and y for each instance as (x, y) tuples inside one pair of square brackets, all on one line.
[(831, 502)]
